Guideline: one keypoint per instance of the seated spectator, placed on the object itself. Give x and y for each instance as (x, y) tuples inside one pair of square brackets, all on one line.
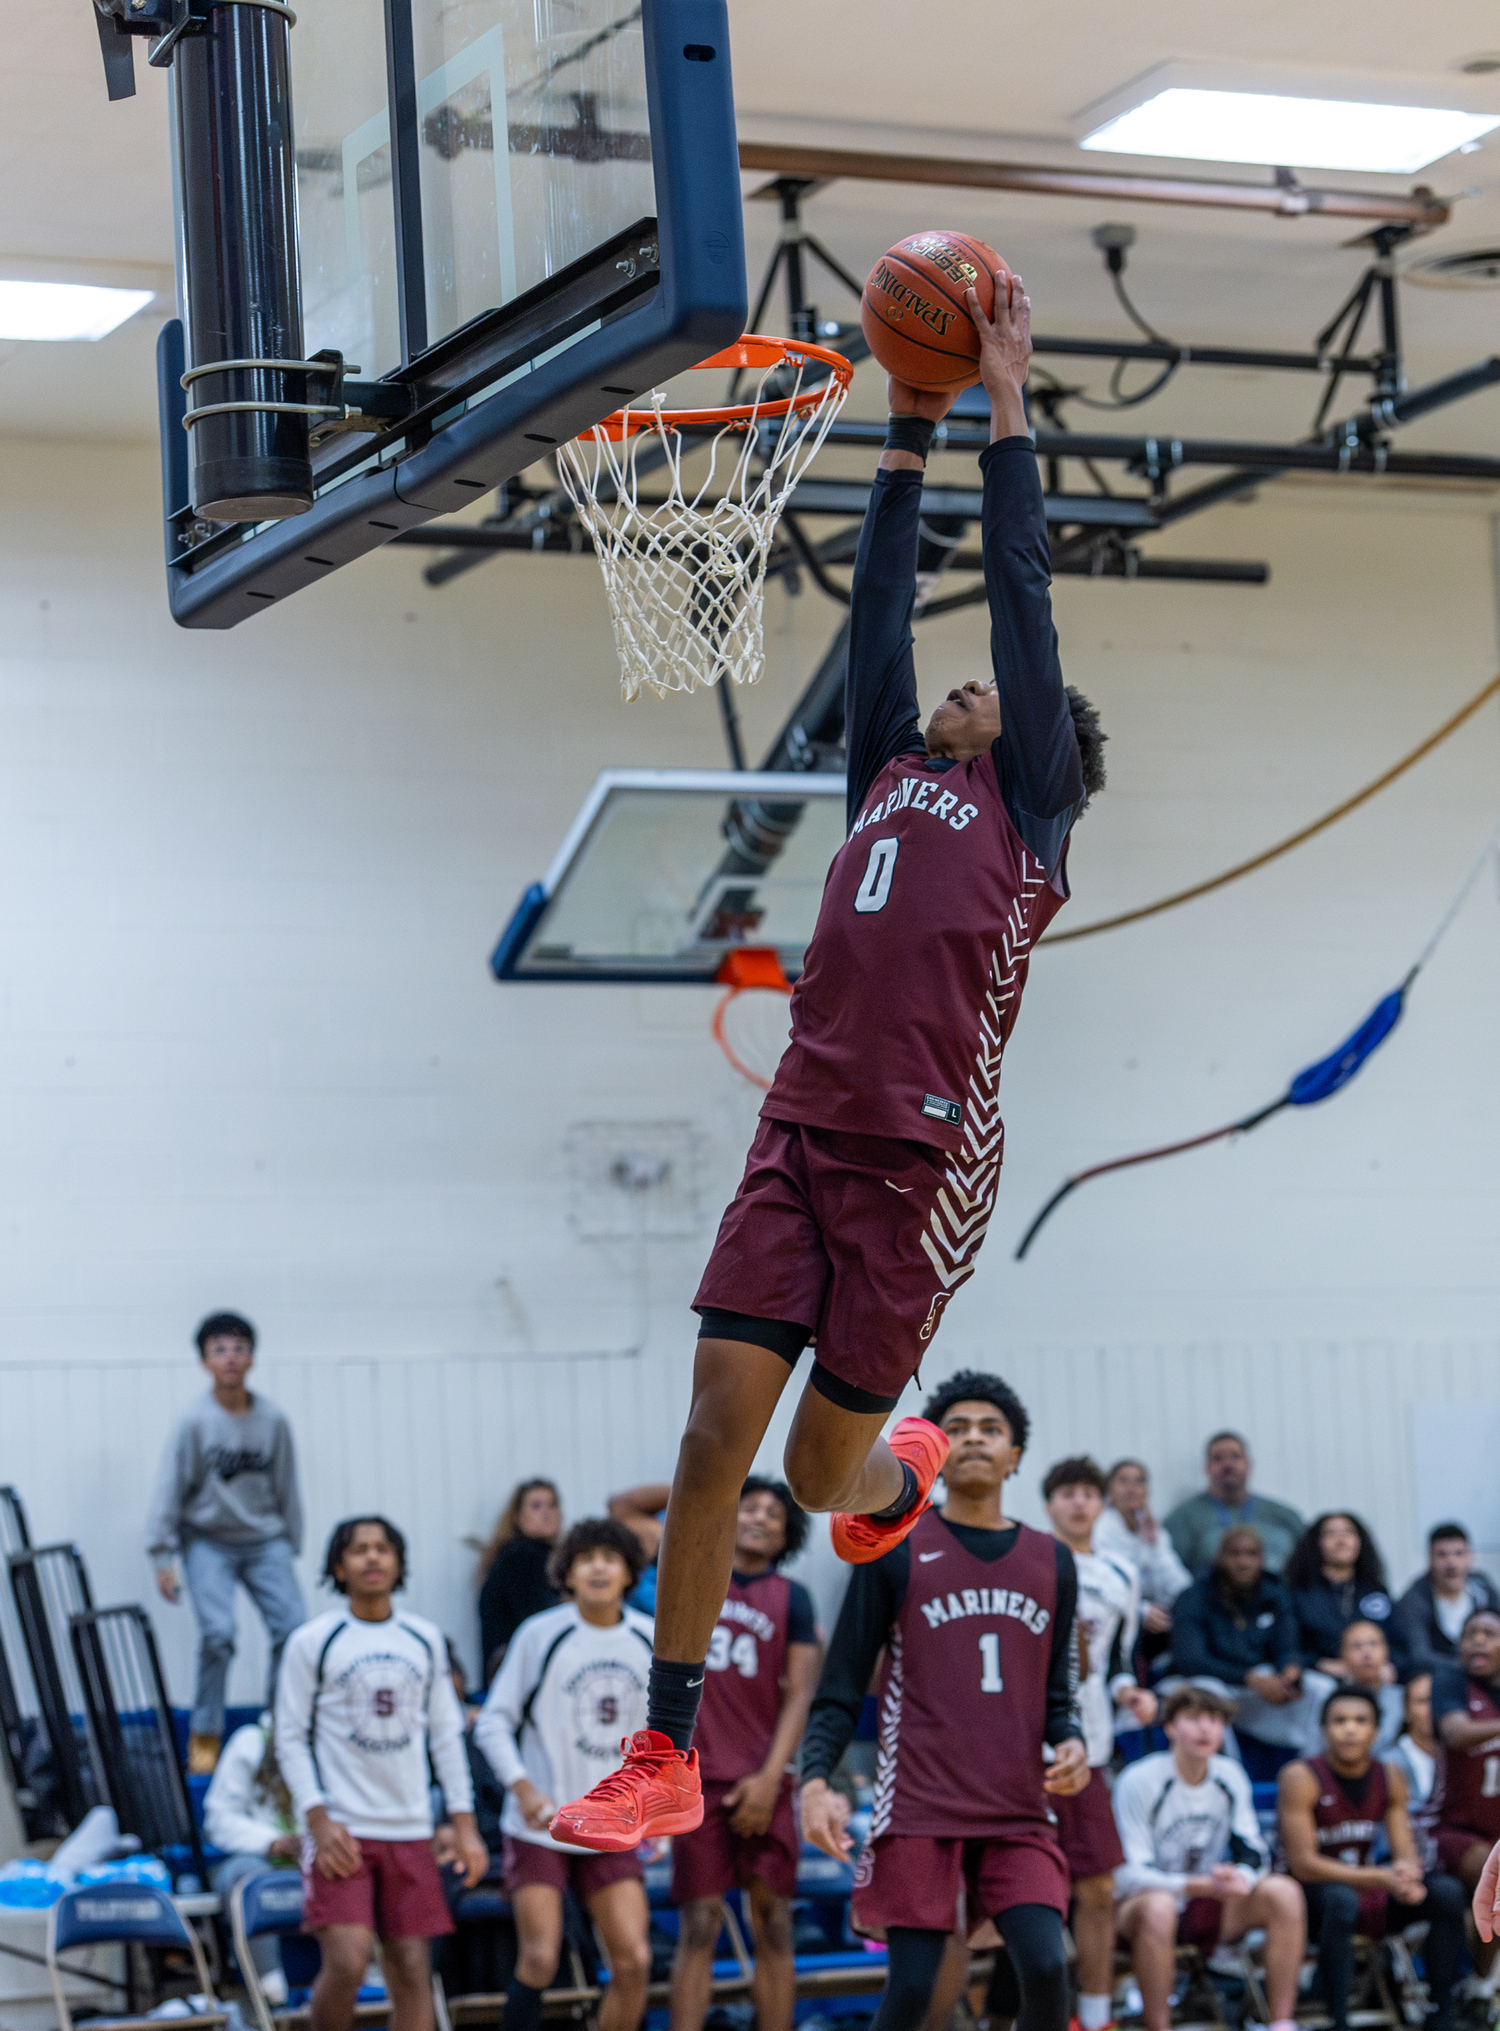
[(1364, 1661), (1196, 1867), (248, 1813), (1331, 1811), (643, 1511), (512, 1572), (1430, 1615), (1233, 1632), (1335, 1576), (1127, 1529), (1415, 1753), (1466, 1719), (1197, 1525)]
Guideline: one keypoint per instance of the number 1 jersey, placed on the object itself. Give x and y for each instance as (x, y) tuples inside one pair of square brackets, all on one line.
[(743, 1673), (914, 974)]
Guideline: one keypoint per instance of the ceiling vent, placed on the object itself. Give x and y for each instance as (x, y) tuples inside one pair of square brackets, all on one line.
[(1460, 268)]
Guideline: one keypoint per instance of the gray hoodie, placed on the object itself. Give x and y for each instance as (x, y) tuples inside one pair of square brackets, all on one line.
[(232, 1479)]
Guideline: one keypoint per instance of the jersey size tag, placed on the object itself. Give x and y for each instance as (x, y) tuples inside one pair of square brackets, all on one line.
[(939, 1109)]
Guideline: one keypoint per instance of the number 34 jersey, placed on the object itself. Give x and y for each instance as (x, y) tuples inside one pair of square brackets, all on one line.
[(914, 974), (743, 1674)]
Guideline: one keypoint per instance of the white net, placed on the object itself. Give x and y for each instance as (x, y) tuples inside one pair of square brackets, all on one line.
[(683, 519)]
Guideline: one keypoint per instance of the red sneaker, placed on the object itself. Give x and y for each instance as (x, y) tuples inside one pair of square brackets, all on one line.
[(920, 1446), (654, 1791)]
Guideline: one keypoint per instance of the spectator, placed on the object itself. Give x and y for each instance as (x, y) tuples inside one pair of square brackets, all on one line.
[(1332, 1811), (248, 1814), (1466, 1718), (227, 1505), (1430, 1615), (1196, 1526), (1364, 1662), (1415, 1756), (642, 1511), (364, 1700), (1335, 1576), (573, 1682), (1128, 1529), (1233, 1633), (512, 1572), (1196, 1867)]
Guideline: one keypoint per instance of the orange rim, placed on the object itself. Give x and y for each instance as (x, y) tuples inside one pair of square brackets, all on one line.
[(749, 352), (721, 1039)]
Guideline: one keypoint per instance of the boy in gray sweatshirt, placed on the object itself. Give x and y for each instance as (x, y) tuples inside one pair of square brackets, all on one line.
[(227, 1505)]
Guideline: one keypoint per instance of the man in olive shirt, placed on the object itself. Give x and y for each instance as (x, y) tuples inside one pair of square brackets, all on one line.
[(1196, 1526)]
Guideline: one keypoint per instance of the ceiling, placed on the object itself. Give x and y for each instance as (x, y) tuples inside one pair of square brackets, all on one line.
[(87, 192)]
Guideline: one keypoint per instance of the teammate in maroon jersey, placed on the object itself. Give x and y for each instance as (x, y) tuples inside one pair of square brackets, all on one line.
[(871, 1178), (762, 1668), (1466, 1794), (1332, 1809), (976, 1619)]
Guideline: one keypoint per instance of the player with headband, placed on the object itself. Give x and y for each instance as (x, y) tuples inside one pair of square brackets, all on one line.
[(871, 1178)]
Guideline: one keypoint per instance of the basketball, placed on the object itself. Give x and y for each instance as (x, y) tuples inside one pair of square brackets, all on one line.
[(913, 310)]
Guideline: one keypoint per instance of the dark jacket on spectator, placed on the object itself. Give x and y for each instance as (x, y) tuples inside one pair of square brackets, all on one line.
[(1216, 1635), (1325, 1611), (1414, 1625), (515, 1586)]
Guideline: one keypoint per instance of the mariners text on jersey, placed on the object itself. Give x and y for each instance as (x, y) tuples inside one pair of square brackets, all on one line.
[(985, 1601)]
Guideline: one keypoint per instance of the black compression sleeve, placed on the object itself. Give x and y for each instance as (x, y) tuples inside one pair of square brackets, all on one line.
[(880, 684), (872, 1602), (1062, 1674), (801, 1617), (1036, 756)]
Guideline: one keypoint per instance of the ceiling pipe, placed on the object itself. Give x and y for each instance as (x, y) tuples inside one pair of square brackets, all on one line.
[(1286, 197)]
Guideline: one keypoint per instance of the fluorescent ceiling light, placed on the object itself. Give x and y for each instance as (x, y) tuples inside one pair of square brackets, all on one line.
[(1301, 133), (65, 310)]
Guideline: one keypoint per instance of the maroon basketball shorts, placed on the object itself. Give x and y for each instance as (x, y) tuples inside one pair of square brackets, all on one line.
[(1454, 1842), (396, 1892), (1087, 1832), (856, 1241), (941, 1885), (716, 1859), (582, 1872)]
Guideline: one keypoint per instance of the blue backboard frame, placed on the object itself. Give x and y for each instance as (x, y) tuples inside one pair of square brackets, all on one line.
[(697, 306)]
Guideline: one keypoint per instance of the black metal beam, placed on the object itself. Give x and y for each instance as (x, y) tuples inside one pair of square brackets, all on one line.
[(1201, 356)]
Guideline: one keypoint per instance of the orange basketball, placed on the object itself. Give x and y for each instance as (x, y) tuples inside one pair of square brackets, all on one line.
[(913, 310)]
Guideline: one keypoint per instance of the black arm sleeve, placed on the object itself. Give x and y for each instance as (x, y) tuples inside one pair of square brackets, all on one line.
[(871, 1604), (1063, 1724), (880, 683), (1036, 756)]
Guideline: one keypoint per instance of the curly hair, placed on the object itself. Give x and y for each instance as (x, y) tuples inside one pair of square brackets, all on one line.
[(1305, 1566), (970, 1386), (343, 1537), (1091, 738), (595, 1533), (791, 1509), (1077, 1471)]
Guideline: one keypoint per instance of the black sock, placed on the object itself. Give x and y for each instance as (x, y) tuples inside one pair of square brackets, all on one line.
[(672, 1695), (903, 1502), (523, 2006)]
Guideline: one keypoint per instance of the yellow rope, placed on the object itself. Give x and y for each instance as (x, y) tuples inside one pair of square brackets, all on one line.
[(1318, 825)]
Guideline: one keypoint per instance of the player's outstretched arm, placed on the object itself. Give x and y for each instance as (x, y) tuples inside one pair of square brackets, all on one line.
[(1005, 354), (1487, 1897)]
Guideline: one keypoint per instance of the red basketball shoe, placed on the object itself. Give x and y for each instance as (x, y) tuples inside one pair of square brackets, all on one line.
[(654, 1791), (920, 1446)]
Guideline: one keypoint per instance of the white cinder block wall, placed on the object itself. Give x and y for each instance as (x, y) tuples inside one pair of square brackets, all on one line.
[(252, 1056)]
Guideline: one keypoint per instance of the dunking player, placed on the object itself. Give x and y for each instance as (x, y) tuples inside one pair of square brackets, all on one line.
[(870, 1180), (975, 1616), (762, 1668)]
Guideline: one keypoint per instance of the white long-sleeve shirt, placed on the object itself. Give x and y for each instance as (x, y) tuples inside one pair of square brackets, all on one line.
[(359, 1707), (1109, 1604), (1163, 1575), (1171, 1830), (238, 1816), (562, 1701)]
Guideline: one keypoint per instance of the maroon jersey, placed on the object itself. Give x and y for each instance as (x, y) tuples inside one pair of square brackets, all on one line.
[(1347, 1832), (743, 1673), (914, 974), (963, 1692), (1469, 1779)]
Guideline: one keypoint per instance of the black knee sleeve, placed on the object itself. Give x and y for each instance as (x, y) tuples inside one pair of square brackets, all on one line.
[(913, 1958), (1033, 1935)]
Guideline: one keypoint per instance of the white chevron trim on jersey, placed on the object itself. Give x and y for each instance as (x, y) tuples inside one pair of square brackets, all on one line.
[(958, 1223), (885, 1753)]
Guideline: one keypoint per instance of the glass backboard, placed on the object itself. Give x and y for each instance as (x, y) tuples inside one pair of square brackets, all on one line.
[(514, 215), (665, 872)]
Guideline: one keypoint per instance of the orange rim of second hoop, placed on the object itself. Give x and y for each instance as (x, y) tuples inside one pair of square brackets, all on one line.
[(750, 352)]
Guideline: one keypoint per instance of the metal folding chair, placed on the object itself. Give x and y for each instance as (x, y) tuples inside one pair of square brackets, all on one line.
[(126, 1702), (51, 1585), (272, 1903), (127, 1914)]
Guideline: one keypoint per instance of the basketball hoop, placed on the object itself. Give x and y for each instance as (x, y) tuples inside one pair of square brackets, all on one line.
[(753, 970), (685, 571)]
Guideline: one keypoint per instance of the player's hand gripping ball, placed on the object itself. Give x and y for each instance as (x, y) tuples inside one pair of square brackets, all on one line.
[(913, 312)]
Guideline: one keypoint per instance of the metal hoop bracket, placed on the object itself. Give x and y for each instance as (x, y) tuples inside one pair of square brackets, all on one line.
[(329, 369), (263, 408)]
